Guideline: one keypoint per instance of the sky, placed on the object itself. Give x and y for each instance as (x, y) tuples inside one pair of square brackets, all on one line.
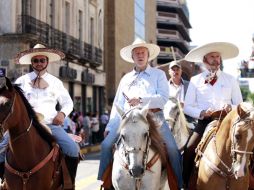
[(223, 20)]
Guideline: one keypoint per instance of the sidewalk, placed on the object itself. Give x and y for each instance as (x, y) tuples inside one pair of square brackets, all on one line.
[(90, 149)]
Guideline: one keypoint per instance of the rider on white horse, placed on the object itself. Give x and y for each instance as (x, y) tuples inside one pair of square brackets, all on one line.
[(143, 85)]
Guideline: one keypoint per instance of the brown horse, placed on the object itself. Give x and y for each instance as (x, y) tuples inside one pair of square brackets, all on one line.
[(32, 159), (225, 160)]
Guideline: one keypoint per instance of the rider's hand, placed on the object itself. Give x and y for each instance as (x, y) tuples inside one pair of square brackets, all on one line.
[(206, 113), (227, 107), (59, 119), (134, 101)]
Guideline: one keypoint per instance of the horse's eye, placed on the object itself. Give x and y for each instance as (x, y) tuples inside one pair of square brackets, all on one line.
[(145, 135), (238, 136), (123, 137)]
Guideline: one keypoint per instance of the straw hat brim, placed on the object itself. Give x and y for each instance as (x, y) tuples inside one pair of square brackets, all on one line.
[(24, 58), (126, 52), (227, 51)]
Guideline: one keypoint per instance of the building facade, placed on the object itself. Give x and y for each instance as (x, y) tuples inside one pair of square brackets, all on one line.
[(74, 27), (124, 21), (173, 34)]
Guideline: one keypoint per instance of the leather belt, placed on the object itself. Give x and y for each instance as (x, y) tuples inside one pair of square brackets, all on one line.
[(154, 110)]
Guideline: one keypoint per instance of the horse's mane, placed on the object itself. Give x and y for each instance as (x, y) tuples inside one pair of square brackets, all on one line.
[(32, 115), (157, 143)]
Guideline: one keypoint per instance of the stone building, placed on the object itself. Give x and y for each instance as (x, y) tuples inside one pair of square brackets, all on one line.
[(74, 27), (124, 21)]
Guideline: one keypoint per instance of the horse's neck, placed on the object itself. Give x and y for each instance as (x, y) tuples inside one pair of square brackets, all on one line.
[(25, 145), (223, 144)]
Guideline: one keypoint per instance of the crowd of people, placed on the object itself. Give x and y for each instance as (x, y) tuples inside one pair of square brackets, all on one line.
[(89, 126)]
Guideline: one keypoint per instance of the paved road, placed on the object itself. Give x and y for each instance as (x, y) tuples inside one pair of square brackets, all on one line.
[(86, 178)]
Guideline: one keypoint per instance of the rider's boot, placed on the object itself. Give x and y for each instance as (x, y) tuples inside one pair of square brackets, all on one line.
[(72, 165), (189, 157)]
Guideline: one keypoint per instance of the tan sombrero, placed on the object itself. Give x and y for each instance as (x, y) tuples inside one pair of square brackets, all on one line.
[(126, 52), (226, 49), (25, 57)]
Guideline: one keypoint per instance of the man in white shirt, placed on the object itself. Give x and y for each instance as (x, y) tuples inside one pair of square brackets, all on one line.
[(209, 91), (44, 91), (143, 85), (177, 86)]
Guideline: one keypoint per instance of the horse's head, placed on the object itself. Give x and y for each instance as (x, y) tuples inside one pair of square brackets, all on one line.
[(7, 99), (135, 140), (242, 138), (173, 109)]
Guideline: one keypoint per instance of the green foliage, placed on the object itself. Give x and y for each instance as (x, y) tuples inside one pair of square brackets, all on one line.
[(247, 95)]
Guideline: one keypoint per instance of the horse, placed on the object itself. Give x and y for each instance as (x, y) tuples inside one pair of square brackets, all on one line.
[(225, 158), (176, 119), (139, 154), (33, 157)]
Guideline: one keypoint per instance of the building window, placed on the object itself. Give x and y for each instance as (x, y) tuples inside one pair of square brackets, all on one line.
[(139, 19)]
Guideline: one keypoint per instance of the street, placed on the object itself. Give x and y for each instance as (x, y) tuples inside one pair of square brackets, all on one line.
[(86, 178)]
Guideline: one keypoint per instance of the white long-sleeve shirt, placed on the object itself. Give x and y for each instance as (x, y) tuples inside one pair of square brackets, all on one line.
[(201, 96), (44, 100), (150, 85)]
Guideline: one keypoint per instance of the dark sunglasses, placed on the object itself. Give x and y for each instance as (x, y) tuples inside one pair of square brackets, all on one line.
[(42, 60)]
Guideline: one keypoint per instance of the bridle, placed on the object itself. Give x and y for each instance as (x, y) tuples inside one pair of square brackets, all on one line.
[(128, 150), (2, 124), (234, 151), (10, 112)]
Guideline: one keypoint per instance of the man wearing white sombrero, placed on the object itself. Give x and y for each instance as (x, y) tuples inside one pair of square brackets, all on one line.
[(43, 92), (209, 91), (144, 85)]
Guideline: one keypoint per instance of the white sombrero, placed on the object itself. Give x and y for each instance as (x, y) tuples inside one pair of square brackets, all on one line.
[(227, 51), (25, 57), (126, 52)]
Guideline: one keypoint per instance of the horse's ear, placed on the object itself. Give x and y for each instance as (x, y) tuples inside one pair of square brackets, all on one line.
[(241, 109), (145, 110), (119, 110), (2, 82)]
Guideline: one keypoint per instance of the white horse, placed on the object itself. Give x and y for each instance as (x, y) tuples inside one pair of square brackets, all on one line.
[(139, 153), (175, 117)]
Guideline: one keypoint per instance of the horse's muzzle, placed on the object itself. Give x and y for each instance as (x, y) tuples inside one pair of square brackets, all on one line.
[(137, 171)]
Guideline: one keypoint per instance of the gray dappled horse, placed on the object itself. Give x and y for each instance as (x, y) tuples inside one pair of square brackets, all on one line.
[(139, 154)]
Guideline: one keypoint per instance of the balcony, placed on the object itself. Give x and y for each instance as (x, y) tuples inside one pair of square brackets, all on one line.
[(74, 48), (172, 21), (176, 7)]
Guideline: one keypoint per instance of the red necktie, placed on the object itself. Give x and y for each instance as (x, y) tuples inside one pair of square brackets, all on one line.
[(211, 80)]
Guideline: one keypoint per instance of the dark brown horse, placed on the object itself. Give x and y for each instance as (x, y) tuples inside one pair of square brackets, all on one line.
[(32, 159), (225, 160)]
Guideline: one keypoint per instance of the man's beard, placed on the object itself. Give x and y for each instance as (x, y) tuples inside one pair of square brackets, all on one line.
[(213, 66)]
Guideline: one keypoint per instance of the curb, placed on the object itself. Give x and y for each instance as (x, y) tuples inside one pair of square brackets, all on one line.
[(90, 149)]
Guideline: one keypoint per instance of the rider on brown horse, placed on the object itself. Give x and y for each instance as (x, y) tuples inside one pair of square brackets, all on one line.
[(208, 91), (44, 91)]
